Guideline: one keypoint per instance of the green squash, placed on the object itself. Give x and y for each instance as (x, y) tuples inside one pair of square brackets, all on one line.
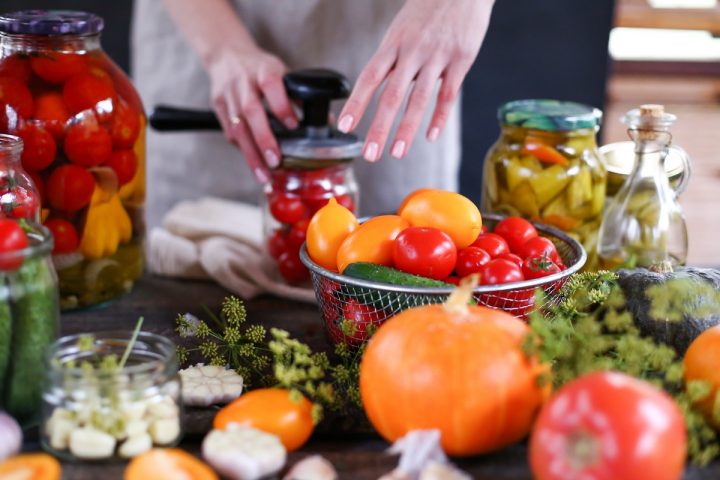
[(672, 306)]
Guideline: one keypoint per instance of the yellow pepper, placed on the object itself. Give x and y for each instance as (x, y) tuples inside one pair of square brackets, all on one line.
[(107, 225)]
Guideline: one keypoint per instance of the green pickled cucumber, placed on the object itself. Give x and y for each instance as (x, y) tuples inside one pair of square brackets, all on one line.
[(34, 312), (5, 334)]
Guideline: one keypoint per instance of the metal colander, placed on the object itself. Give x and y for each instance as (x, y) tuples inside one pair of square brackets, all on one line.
[(367, 304)]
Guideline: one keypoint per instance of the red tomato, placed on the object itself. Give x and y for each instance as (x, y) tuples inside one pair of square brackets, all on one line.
[(471, 260), (125, 125), (39, 147), (499, 271), (19, 202), (364, 320), (298, 232), (39, 186), (277, 243), (86, 90), (539, 246), (291, 268), (17, 95), (452, 279), (286, 208), (513, 258), (69, 188), (87, 143), (17, 67), (50, 109), (65, 236), (124, 163), (12, 239), (493, 244), (537, 267), (516, 231), (609, 426), (425, 251), (346, 201), (56, 67)]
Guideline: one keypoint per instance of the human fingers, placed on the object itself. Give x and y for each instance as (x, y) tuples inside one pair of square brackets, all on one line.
[(252, 112), (394, 92), (241, 136), (367, 83), (419, 99), (452, 79), (272, 88)]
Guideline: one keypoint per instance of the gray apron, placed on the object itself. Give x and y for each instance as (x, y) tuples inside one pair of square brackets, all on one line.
[(337, 34)]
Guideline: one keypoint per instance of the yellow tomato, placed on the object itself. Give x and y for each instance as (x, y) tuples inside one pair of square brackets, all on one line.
[(327, 230), (271, 410), (450, 212), (413, 195), (371, 242)]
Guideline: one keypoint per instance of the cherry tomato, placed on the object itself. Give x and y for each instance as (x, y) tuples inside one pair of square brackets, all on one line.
[(39, 147), (537, 267), (65, 236), (297, 234), (12, 239), (20, 202), (539, 246), (286, 208), (125, 125), (272, 410), (371, 242), (346, 201), (609, 426), (86, 90), (51, 111), (471, 260), (499, 271), (277, 243), (362, 319), (425, 251), (327, 230), (493, 244), (17, 67), (69, 188), (124, 163), (516, 231), (39, 186), (56, 67), (513, 258), (291, 268), (87, 143), (17, 95), (452, 279)]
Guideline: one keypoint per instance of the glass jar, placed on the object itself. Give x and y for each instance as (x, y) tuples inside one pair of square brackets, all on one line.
[(83, 127), (19, 197), (92, 411), (292, 196), (546, 167), (29, 321)]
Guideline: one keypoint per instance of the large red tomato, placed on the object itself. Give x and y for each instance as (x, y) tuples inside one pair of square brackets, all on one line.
[(516, 231), (609, 426), (56, 67), (69, 188), (87, 143), (425, 251), (12, 239)]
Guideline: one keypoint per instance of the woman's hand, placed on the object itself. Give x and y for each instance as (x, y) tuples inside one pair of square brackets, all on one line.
[(427, 41), (240, 80)]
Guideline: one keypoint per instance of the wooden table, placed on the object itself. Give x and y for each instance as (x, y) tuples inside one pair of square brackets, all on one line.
[(356, 457)]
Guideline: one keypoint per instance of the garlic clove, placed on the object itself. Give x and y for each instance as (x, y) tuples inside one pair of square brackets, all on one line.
[(89, 443), (314, 467), (135, 445)]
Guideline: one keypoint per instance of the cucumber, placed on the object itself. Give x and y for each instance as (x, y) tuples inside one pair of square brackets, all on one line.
[(382, 274), (34, 312), (5, 333)]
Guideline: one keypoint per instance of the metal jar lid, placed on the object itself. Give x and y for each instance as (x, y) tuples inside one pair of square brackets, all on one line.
[(50, 22), (549, 115)]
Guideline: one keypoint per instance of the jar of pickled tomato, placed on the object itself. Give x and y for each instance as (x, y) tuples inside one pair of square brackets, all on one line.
[(82, 126)]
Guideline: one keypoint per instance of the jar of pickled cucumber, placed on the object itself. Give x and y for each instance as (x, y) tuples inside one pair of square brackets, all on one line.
[(546, 167), (82, 125)]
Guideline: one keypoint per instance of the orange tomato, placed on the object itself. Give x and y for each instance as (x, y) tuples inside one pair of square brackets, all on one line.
[(371, 242), (326, 231), (35, 466), (412, 195), (168, 464), (702, 362), (271, 410), (450, 212)]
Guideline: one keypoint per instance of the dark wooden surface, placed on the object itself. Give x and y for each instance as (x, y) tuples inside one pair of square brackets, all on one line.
[(356, 457)]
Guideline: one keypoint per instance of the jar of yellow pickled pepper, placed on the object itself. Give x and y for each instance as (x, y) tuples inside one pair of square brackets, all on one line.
[(546, 167)]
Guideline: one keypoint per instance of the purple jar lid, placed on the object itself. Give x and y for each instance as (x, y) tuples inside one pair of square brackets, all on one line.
[(50, 22)]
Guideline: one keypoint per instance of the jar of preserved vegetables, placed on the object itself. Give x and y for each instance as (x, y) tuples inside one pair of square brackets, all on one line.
[(546, 167), (82, 125)]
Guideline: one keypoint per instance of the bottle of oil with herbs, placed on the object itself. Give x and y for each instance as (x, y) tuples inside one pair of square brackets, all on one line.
[(643, 224)]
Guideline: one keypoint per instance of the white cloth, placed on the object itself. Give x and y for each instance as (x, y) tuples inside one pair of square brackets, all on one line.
[(337, 34), (221, 240)]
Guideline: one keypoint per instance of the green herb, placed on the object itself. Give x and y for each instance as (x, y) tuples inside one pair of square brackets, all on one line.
[(130, 344), (590, 330)]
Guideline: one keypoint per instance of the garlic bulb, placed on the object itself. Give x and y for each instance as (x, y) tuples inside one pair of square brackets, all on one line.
[(205, 385), (11, 435)]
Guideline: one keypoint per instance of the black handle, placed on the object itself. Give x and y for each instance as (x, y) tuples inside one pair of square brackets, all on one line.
[(173, 119), (315, 88)]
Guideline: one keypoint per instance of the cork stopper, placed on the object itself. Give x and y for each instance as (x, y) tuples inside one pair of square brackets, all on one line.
[(650, 113), (652, 110)]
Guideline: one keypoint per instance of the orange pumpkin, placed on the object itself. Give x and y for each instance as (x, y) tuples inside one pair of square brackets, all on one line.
[(702, 363), (456, 368)]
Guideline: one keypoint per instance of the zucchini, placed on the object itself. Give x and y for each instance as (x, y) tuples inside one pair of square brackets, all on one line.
[(34, 311), (5, 333)]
